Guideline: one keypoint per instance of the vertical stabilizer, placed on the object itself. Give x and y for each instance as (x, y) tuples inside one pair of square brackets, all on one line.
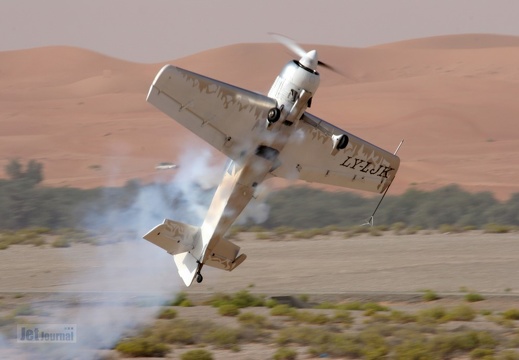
[(187, 266)]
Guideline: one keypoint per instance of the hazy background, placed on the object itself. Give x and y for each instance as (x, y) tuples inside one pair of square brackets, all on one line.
[(154, 31)]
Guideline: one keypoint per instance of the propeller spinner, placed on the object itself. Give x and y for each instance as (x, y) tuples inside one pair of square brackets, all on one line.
[(307, 59)]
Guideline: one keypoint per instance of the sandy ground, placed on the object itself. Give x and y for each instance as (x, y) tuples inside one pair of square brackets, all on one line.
[(108, 290), (486, 263)]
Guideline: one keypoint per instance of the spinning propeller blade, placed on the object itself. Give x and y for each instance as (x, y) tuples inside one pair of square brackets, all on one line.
[(299, 51)]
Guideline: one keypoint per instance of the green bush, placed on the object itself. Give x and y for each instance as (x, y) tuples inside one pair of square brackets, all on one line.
[(167, 314), (415, 349), (444, 345), (432, 315), (263, 236), (228, 310), (251, 319), (461, 313), (222, 337), (285, 354), (481, 353), (178, 335), (511, 314), (343, 317), (281, 310), (244, 298), (61, 242), (497, 229), (142, 347), (310, 317), (430, 295), (198, 354), (473, 297), (179, 299)]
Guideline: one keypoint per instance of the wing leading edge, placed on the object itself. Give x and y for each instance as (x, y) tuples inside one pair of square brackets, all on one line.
[(225, 116), (310, 155)]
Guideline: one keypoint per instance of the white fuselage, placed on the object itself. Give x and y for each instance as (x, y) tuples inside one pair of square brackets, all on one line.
[(293, 90)]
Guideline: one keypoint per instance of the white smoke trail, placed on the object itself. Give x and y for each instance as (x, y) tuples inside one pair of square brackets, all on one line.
[(105, 297)]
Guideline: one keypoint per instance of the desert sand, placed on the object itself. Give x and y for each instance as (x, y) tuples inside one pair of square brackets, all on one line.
[(108, 290), (452, 98), (325, 265)]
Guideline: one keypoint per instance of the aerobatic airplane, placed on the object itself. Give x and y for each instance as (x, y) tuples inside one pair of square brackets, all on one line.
[(264, 136)]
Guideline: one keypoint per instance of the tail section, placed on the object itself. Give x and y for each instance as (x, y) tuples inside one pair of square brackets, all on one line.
[(192, 248), (179, 240)]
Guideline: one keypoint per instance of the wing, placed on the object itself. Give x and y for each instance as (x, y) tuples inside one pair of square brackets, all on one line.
[(310, 155), (225, 116)]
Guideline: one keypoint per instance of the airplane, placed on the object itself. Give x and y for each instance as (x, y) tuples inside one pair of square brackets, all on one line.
[(264, 136)]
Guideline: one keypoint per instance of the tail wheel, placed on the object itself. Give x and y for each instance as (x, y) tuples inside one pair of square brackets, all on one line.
[(199, 278), (273, 115)]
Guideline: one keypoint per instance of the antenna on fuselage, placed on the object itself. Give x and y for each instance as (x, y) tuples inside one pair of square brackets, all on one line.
[(372, 217)]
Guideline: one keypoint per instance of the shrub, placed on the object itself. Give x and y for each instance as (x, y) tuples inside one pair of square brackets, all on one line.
[(398, 227), (430, 295), (222, 337), (343, 317), (240, 299), (228, 310), (251, 319), (198, 354), (309, 317), (142, 347), (301, 335), (270, 303), (461, 313), (284, 230), (285, 354), (219, 299), (432, 315), (413, 350), (511, 314), (481, 353), (243, 299), (508, 355), (61, 242), (446, 344), (473, 297), (263, 236), (179, 299), (496, 229), (167, 314), (281, 310), (178, 335)]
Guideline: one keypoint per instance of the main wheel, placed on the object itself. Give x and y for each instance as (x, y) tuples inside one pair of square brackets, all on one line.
[(199, 278), (273, 115)]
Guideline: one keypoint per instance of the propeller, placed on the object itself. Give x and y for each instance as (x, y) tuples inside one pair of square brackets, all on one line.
[(299, 51)]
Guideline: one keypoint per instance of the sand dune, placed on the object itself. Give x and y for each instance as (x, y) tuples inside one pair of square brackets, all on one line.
[(453, 99)]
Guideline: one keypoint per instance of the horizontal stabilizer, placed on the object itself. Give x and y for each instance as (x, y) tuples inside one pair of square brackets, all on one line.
[(225, 256), (174, 237)]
